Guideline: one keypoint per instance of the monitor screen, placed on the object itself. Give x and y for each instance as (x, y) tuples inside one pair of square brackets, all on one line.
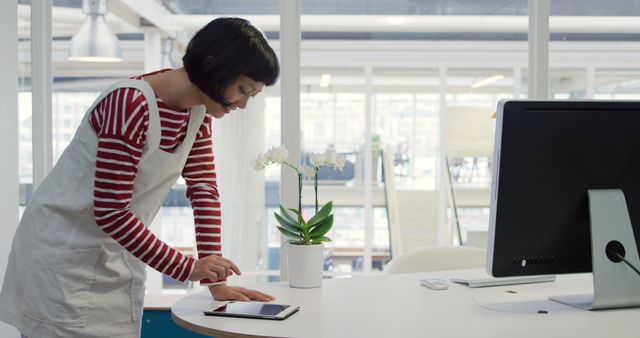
[(547, 155)]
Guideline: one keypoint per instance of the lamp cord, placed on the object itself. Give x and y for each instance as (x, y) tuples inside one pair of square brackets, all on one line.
[(626, 261)]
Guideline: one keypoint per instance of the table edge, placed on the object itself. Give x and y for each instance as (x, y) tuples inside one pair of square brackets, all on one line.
[(211, 331)]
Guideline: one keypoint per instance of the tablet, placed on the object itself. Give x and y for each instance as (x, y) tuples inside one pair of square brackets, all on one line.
[(253, 310)]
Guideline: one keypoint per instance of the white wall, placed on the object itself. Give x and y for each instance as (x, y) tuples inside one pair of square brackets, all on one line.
[(8, 137)]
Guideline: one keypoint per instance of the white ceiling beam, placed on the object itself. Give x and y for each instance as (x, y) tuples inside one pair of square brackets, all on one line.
[(125, 13), (154, 12)]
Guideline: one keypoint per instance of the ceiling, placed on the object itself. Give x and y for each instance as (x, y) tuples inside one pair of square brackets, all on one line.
[(449, 20), (394, 7), (436, 32)]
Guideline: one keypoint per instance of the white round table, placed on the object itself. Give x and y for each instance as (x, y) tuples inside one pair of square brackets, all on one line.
[(397, 306)]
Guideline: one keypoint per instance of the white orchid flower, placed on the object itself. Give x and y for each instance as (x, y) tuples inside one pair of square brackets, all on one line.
[(258, 163), (274, 155), (317, 159), (308, 171), (266, 157), (279, 155), (329, 157)]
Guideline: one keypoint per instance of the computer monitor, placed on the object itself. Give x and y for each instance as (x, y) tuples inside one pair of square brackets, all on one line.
[(560, 169)]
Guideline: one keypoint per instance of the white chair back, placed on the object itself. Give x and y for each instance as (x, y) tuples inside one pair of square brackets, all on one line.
[(437, 259)]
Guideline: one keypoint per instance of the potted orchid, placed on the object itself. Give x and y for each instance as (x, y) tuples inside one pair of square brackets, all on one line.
[(304, 247)]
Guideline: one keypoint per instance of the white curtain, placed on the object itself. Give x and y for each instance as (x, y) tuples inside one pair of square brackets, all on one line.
[(237, 140)]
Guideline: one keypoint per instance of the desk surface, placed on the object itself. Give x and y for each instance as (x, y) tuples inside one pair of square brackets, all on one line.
[(397, 306)]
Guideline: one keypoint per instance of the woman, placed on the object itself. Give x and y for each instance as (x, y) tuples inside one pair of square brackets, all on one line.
[(77, 263)]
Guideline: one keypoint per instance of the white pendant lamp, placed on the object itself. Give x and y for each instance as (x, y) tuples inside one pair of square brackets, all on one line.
[(94, 42)]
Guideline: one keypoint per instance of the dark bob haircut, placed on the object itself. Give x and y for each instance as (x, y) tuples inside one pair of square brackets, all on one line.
[(224, 50)]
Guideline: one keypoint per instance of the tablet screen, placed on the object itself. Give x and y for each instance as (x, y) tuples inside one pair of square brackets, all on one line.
[(256, 309)]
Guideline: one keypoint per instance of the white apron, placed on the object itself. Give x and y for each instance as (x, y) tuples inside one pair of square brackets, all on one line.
[(65, 276)]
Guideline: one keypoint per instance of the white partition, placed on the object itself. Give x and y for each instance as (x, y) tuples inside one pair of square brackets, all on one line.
[(413, 214), (469, 131)]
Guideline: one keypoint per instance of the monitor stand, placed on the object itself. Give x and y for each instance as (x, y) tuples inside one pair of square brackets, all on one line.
[(615, 284)]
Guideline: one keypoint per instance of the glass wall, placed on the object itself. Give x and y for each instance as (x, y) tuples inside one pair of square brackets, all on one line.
[(68, 108), (568, 83), (616, 84), (417, 116), (332, 115), (406, 120)]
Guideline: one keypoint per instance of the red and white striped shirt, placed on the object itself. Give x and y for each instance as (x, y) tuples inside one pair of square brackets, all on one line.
[(121, 121)]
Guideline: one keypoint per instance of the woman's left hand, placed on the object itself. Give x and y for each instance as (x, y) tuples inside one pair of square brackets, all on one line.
[(226, 292)]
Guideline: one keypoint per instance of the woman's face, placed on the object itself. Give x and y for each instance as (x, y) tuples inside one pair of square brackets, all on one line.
[(237, 94)]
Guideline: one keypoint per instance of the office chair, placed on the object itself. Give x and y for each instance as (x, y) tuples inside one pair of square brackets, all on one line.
[(439, 258)]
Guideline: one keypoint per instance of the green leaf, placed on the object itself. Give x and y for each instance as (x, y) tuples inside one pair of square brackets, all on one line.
[(322, 228), (291, 226), (322, 214), (286, 215), (304, 227), (288, 233), (320, 240), (298, 214)]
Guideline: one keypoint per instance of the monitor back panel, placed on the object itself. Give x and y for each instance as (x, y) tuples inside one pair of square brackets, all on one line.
[(548, 154)]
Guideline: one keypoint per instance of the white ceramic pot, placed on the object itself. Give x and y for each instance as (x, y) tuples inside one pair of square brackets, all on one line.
[(304, 264)]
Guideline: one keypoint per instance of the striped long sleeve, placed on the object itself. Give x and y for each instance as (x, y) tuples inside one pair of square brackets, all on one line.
[(202, 191), (120, 121)]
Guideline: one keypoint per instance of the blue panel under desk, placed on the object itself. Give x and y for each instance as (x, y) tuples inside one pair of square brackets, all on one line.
[(158, 324)]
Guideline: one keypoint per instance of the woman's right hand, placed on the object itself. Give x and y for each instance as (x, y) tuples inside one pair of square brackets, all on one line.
[(213, 267)]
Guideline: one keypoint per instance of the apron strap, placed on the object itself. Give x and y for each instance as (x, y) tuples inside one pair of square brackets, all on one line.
[(196, 117), (153, 131)]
